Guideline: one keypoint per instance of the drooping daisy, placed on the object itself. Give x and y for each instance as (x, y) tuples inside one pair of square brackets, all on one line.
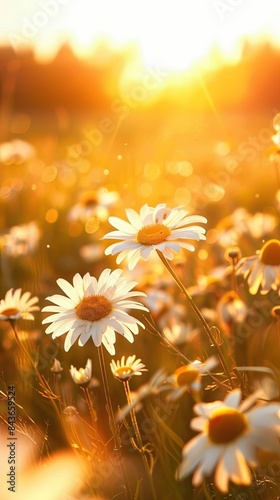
[(83, 375), (94, 308), (262, 271), (160, 228), (56, 367), (126, 368), (230, 437), (152, 388), (231, 310), (188, 377), (15, 306)]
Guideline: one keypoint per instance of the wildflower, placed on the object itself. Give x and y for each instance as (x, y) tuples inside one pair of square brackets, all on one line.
[(22, 240), (83, 375), (126, 368), (16, 151), (94, 308), (180, 333), (159, 228), (56, 367), (262, 271), (15, 306), (231, 310), (229, 439), (153, 387), (241, 222), (188, 377), (93, 204)]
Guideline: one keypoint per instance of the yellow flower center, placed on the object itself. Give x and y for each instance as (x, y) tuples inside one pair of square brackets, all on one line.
[(89, 200), (185, 375), (226, 424), (270, 253), (124, 372), (153, 234), (93, 308), (81, 376), (10, 311)]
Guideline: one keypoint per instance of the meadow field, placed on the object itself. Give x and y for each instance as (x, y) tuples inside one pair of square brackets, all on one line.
[(180, 336)]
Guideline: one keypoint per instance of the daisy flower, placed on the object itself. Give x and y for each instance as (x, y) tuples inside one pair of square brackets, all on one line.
[(180, 333), (262, 271), (94, 308), (22, 240), (83, 375), (16, 151), (159, 228), (93, 204), (229, 439), (16, 306), (231, 310), (126, 368), (189, 377), (152, 388), (56, 367)]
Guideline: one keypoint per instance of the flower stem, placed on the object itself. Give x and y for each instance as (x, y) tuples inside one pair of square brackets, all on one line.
[(113, 426), (112, 423), (199, 315), (139, 439), (90, 406)]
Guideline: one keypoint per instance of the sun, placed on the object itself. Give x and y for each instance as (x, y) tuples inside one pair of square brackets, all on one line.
[(171, 34)]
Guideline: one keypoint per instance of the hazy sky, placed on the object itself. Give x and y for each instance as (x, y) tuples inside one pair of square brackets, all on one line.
[(167, 31)]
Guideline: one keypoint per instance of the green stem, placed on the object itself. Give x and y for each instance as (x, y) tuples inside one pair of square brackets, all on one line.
[(90, 406), (112, 424), (199, 316), (139, 439)]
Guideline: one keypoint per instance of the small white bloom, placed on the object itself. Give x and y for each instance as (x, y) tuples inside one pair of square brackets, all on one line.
[(22, 240), (16, 151), (126, 368), (56, 367), (160, 228), (16, 306), (83, 375)]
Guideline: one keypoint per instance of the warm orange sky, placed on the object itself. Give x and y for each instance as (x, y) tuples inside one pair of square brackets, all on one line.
[(170, 33)]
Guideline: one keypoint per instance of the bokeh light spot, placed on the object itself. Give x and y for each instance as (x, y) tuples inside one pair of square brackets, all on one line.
[(214, 192), (51, 215), (92, 225), (49, 173)]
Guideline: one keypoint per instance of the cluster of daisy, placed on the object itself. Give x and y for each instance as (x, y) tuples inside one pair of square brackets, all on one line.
[(231, 433)]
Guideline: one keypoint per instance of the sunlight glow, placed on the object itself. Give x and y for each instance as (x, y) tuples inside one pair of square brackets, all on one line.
[(173, 35)]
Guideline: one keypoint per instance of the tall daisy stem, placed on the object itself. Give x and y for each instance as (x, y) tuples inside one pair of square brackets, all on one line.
[(112, 423), (199, 315), (90, 406), (113, 426), (139, 439)]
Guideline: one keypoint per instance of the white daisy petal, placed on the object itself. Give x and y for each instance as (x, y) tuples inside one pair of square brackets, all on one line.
[(93, 309), (159, 228)]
